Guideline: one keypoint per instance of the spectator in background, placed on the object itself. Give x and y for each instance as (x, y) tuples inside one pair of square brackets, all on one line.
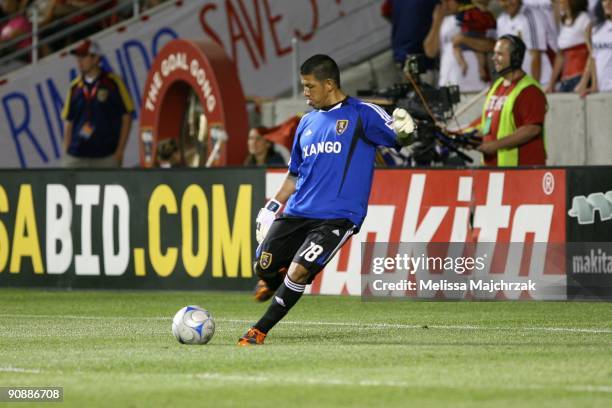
[(410, 23), (168, 154), (439, 41), (571, 60), (74, 12), (262, 152), (38, 7), (512, 121), (97, 113), (549, 9), (17, 25), (599, 70), (530, 25), (475, 21), (61, 8)]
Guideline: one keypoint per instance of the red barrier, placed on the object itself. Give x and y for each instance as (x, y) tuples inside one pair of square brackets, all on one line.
[(455, 206)]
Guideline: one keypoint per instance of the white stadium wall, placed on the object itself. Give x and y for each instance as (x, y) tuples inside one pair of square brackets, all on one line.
[(566, 130), (599, 128)]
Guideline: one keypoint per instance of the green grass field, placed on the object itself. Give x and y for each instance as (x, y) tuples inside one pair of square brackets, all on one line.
[(109, 348)]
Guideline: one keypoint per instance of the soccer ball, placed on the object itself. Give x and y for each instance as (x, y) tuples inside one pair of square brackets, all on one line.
[(193, 325)]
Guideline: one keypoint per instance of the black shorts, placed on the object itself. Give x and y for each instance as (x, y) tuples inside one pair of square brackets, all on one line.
[(309, 242)]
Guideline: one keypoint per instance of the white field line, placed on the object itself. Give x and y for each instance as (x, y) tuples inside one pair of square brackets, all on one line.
[(284, 380), (433, 326), (19, 370), (591, 388), (369, 326)]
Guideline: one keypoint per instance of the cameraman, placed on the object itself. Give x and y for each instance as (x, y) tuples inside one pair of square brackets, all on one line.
[(512, 122)]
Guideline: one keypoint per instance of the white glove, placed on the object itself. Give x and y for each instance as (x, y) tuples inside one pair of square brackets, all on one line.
[(403, 125), (265, 218)]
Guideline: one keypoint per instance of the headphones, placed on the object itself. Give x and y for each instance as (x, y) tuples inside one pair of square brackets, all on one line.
[(517, 51)]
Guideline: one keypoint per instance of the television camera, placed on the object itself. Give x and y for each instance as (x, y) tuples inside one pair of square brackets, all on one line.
[(431, 108)]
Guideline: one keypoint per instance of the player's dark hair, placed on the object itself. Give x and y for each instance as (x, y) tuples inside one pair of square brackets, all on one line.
[(600, 15), (576, 7), (322, 67), (517, 50)]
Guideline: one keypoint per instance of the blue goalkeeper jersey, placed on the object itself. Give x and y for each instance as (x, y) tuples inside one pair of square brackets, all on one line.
[(333, 159)]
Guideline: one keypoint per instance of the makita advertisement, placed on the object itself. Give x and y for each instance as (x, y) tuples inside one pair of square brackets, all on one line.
[(155, 229), (589, 228), (473, 206)]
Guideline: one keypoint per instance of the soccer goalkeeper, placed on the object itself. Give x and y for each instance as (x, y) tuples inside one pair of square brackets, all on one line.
[(326, 189)]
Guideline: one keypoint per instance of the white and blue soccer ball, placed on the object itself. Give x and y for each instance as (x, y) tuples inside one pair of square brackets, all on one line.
[(193, 325)]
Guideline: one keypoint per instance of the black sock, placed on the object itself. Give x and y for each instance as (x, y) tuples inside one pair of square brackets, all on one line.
[(275, 281), (285, 298)]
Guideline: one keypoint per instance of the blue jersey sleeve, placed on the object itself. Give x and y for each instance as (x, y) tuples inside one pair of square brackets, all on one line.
[(377, 125), (296, 152)]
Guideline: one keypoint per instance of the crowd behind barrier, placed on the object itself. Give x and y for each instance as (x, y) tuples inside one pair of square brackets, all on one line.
[(32, 29)]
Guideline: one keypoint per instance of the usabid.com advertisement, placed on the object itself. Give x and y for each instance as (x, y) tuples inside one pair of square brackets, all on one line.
[(129, 229)]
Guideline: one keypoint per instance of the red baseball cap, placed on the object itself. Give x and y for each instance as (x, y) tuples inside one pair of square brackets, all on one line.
[(87, 47)]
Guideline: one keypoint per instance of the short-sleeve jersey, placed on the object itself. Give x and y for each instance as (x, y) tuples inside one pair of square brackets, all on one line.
[(602, 53), (98, 106), (450, 72), (333, 159)]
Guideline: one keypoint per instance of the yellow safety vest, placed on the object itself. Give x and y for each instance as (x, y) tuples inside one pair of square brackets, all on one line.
[(508, 157)]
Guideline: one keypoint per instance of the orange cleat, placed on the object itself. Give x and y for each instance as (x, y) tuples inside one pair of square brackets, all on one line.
[(262, 291), (252, 337)]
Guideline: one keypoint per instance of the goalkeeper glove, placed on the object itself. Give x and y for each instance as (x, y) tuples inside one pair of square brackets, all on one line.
[(403, 125), (265, 218)]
